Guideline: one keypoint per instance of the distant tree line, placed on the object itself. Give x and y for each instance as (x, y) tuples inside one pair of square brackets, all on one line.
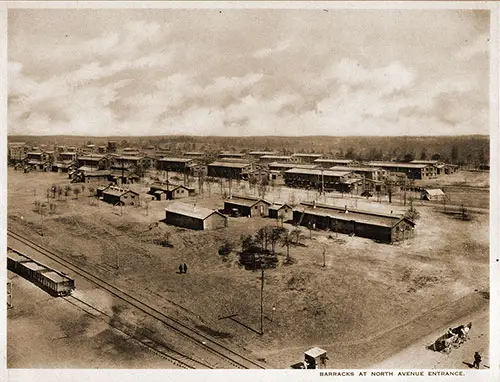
[(470, 150)]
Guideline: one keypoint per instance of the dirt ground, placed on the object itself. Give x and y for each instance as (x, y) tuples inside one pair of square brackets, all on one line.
[(458, 358), (369, 302), (46, 332)]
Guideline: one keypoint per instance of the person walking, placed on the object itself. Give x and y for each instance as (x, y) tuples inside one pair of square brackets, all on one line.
[(185, 268), (180, 268), (477, 360)]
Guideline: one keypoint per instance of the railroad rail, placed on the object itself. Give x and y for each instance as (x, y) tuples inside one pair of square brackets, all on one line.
[(158, 348), (202, 341)]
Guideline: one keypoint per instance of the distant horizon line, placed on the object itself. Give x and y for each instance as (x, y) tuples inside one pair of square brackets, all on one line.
[(247, 136)]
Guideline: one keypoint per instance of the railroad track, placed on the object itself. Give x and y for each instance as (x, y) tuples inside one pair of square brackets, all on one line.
[(158, 348), (225, 357)]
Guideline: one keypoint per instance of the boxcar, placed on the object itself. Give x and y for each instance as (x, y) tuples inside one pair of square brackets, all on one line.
[(54, 282)]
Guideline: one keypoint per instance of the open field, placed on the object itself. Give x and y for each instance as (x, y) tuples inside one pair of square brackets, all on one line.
[(369, 302), (43, 330)]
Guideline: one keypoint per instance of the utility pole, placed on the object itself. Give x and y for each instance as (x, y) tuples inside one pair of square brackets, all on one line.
[(9, 295), (41, 216), (261, 298), (322, 183), (324, 257)]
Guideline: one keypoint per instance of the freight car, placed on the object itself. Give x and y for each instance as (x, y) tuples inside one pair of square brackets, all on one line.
[(54, 282)]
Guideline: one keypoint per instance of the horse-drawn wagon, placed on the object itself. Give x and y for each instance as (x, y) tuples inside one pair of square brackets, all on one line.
[(452, 339)]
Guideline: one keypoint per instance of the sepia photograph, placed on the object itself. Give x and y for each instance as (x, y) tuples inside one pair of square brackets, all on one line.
[(251, 186)]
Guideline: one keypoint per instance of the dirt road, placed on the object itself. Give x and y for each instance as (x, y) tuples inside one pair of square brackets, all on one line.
[(417, 356)]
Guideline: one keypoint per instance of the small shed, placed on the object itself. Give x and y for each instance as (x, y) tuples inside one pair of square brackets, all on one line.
[(315, 358), (281, 211), (120, 196), (170, 191), (433, 194), (193, 217), (248, 206)]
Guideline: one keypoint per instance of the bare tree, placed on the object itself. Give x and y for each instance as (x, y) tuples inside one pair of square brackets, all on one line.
[(287, 240), (275, 235), (67, 190)]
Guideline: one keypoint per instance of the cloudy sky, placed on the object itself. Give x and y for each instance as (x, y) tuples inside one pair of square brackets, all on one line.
[(248, 72)]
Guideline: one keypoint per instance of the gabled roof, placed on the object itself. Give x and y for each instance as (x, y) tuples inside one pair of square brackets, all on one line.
[(246, 201), (93, 157), (230, 164), (360, 169), (172, 159), (397, 164), (262, 152), (425, 161), (279, 206), (305, 155), (339, 161), (360, 216), (115, 191), (129, 157), (434, 191), (191, 211), (271, 156), (318, 172), (169, 187), (292, 165), (98, 173), (87, 169)]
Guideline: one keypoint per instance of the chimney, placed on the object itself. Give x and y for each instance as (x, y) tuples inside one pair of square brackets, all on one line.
[(314, 203), (345, 209)]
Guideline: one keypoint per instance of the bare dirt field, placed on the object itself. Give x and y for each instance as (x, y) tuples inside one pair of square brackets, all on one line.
[(369, 302), (42, 331)]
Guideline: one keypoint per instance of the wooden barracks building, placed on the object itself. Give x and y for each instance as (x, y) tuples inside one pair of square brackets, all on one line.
[(193, 217), (385, 228)]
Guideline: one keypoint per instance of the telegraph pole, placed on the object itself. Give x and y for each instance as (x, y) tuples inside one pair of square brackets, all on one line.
[(322, 183), (9, 294), (261, 298)]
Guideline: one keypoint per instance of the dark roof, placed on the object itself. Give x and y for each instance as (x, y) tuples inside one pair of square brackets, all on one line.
[(360, 216), (191, 211)]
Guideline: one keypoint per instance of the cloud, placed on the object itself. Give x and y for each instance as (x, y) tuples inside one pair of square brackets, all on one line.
[(388, 79), (478, 47), (140, 80), (280, 47)]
